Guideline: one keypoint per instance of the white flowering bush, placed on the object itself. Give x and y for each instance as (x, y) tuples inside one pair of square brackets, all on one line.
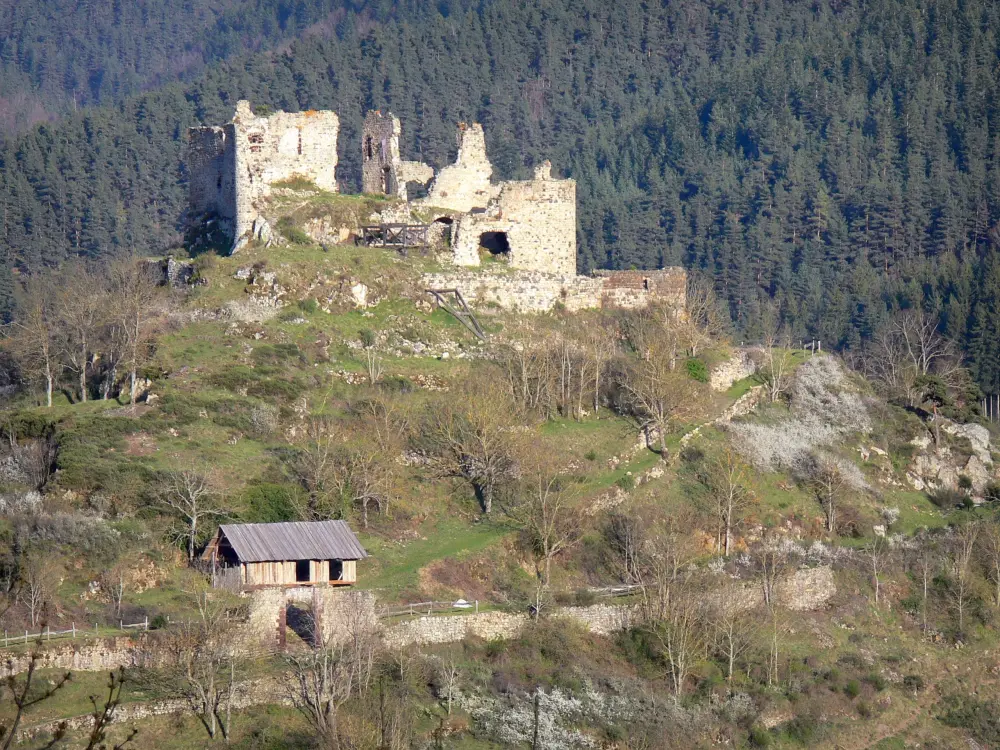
[(825, 407)]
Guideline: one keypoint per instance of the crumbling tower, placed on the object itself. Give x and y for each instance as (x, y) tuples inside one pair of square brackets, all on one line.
[(383, 172), (234, 166)]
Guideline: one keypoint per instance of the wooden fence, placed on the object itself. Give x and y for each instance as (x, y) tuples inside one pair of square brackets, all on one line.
[(428, 608), (48, 634)]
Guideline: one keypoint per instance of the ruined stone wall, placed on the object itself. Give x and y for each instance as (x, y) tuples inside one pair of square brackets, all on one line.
[(635, 289), (537, 216), (231, 168), (523, 291), (279, 147), (464, 185), (538, 291), (383, 171), (339, 611)]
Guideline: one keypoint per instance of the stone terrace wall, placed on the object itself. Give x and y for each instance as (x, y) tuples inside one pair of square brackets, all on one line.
[(464, 185), (599, 618), (524, 291)]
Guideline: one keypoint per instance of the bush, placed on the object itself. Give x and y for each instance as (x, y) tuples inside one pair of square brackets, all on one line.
[(964, 482), (293, 233), (697, 370), (981, 719), (759, 736), (625, 482), (270, 503), (877, 681), (992, 492), (158, 622), (802, 729), (590, 455), (309, 306), (852, 689), (947, 497), (913, 682), (367, 337)]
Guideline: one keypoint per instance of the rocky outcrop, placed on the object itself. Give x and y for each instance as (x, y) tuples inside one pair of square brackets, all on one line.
[(740, 365), (939, 466)]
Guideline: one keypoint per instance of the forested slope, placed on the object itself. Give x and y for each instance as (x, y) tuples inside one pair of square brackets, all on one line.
[(837, 158)]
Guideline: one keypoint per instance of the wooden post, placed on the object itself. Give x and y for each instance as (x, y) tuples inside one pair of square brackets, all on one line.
[(5, 639), (477, 606), (96, 633), (146, 623), (48, 633), (74, 630)]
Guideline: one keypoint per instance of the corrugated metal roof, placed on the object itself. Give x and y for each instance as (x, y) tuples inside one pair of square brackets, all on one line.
[(297, 540)]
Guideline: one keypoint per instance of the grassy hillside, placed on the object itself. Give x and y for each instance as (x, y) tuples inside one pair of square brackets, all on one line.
[(269, 357)]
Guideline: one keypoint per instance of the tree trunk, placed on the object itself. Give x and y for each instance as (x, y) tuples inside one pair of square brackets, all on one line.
[(48, 389), (194, 533), (83, 372)]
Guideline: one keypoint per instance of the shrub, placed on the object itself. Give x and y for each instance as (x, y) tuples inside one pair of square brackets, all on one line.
[(309, 306), (980, 718), (852, 689), (864, 710), (625, 482), (367, 337), (802, 729), (964, 482), (293, 233), (877, 681), (759, 736), (158, 622), (697, 370), (946, 497), (913, 682), (270, 503), (992, 492)]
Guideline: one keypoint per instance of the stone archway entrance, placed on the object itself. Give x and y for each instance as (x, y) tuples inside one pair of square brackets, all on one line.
[(496, 244)]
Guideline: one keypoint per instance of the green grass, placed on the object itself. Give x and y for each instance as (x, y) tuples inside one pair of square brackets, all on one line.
[(394, 568)]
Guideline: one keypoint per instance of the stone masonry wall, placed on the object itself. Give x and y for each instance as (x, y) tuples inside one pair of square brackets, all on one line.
[(537, 291), (634, 289), (233, 167), (537, 216), (383, 172), (464, 185)]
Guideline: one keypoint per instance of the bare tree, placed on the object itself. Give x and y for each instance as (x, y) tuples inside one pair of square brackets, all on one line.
[(190, 494), (877, 555), (448, 678), (364, 476), (829, 485), (907, 349), (989, 543), (374, 366), (384, 417), (544, 509), (962, 589), (733, 626), (771, 562), (103, 714), (658, 395), (34, 337), (114, 582), (324, 679), (704, 320), (133, 294), (681, 635), (81, 307), (475, 436), (38, 585), (24, 694), (927, 563), (776, 357), (600, 346), (314, 467), (729, 480), (203, 656), (625, 535)]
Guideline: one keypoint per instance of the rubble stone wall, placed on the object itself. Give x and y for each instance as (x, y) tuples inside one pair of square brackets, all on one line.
[(233, 167), (464, 185), (537, 216), (538, 291)]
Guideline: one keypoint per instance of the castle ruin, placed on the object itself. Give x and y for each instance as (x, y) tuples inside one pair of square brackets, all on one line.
[(233, 167), (521, 232)]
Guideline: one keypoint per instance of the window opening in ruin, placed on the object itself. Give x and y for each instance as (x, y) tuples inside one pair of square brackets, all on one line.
[(387, 181), (369, 148), (496, 244), (645, 284), (445, 220), (336, 570), (301, 571), (256, 141)]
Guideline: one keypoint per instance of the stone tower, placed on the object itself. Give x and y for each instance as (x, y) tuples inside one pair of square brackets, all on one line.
[(465, 185), (383, 172), (233, 167)]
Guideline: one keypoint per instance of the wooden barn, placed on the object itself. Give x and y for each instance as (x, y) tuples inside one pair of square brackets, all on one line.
[(303, 553)]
